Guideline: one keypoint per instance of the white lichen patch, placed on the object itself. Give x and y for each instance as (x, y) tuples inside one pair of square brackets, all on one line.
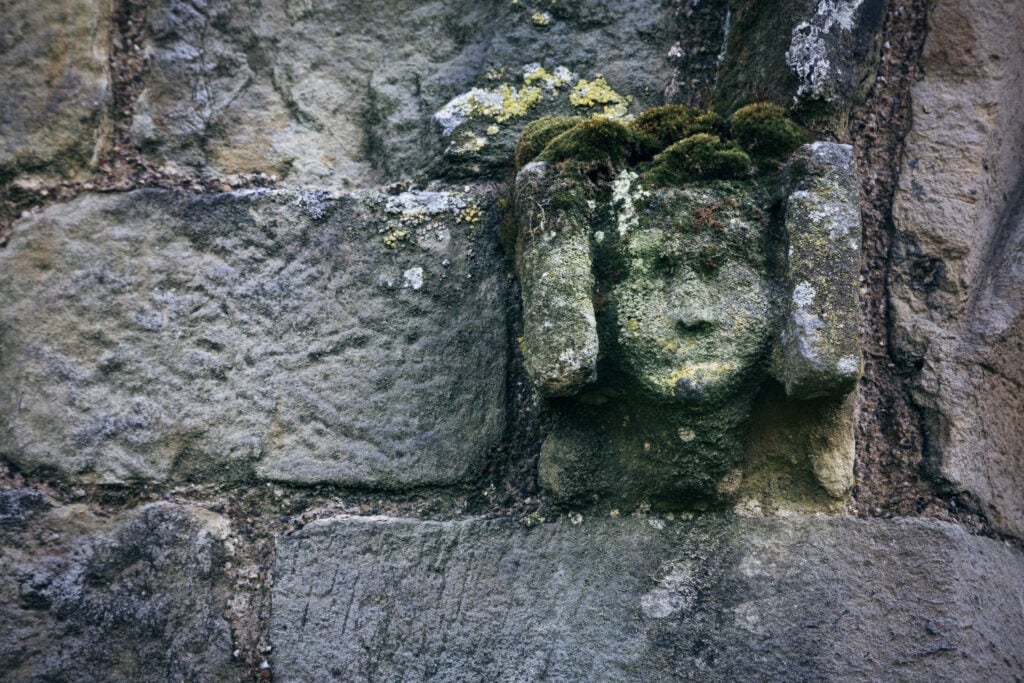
[(413, 278), (420, 216), (674, 593), (808, 54), (849, 365), (803, 295), (624, 199), (535, 74)]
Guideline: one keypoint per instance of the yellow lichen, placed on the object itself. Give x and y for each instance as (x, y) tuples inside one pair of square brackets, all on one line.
[(541, 18), (394, 236), (538, 75), (597, 92), (470, 214), (702, 371)]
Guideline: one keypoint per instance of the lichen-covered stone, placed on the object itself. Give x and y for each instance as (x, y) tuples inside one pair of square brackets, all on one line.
[(140, 595), (307, 337), (554, 263), (346, 95), (814, 55), (645, 599), (819, 349), (684, 329), (656, 311), (56, 94)]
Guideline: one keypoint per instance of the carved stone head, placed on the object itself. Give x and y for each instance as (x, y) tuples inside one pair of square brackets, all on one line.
[(653, 316)]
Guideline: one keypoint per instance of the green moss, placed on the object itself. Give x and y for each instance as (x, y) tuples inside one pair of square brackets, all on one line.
[(764, 131), (539, 133), (659, 127), (698, 157), (600, 140)]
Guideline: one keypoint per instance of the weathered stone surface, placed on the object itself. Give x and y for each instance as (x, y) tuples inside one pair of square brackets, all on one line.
[(345, 94), (53, 106), (819, 349), (957, 277), (718, 598), (140, 596), (357, 339), (554, 263), (811, 54), (651, 314)]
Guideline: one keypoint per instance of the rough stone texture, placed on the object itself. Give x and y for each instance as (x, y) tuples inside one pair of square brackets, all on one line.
[(815, 55), (140, 596), (957, 274), (554, 263), (358, 339), (653, 312), (718, 598), (819, 349), (53, 106), (345, 93)]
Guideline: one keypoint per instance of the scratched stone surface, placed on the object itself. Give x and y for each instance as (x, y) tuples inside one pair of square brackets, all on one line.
[(645, 599)]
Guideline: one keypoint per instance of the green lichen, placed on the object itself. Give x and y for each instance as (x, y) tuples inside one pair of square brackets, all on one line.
[(659, 127), (598, 140), (698, 157), (539, 133), (765, 132)]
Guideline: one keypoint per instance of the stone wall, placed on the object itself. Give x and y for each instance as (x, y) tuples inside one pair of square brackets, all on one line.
[(269, 407)]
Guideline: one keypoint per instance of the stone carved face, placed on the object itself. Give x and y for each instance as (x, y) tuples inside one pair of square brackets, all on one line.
[(694, 311), (658, 311)]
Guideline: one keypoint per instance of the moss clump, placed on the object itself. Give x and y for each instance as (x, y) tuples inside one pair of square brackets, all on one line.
[(659, 127), (698, 157), (764, 131), (598, 140), (539, 133)]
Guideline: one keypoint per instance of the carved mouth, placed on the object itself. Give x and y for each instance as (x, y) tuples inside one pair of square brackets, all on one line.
[(687, 389), (694, 328)]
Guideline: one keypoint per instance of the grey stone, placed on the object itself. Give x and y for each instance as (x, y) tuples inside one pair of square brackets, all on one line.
[(140, 596), (819, 349), (957, 275), (553, 259), (651, 313), (815, 55), (345, 94), (53, 107), (356, 339), (646, 599)]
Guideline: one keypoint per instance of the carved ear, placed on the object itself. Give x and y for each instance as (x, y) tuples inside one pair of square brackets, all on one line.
[(818, 350), (554, 263)]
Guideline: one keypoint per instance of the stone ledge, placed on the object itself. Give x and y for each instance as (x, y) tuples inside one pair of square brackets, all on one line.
[(720, 597)]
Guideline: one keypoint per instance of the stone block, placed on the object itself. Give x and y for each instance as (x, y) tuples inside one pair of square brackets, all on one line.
[(56, 95), (351, 339), (645, 599), (140, 596), (345, 95)]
